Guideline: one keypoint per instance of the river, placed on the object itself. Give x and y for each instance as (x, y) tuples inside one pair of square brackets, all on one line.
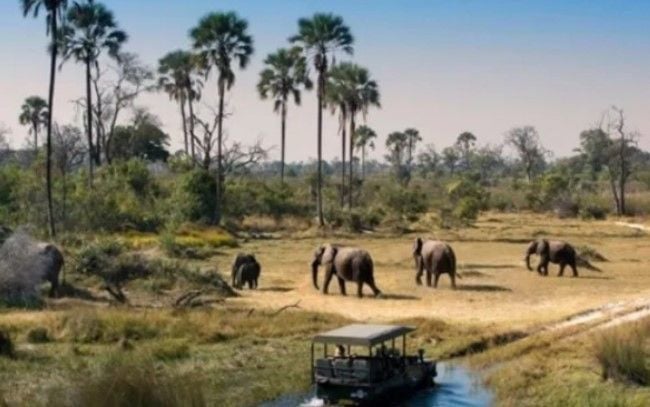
[(455, 386)]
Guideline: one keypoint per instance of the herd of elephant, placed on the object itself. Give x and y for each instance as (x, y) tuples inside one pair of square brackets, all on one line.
[(431, 256)]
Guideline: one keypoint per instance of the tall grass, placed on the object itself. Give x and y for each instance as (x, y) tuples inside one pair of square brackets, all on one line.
[(624, 353), (123, 381)]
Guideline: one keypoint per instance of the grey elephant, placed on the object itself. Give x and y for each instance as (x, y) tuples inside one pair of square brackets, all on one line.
[(245, 270), (53, 262), (553, 251), (436, 258), (347, 264)]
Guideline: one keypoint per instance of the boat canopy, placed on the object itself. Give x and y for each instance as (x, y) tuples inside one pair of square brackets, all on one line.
[(362, 334)]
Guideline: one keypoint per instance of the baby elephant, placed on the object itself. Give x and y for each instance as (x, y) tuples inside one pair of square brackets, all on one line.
[(554, 251), (245, 270), (436, 258)]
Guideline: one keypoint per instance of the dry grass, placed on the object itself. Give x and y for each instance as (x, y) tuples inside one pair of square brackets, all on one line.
[(496, 288), (624, 353)]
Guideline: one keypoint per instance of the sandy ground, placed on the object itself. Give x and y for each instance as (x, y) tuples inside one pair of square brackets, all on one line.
[(497, 290)]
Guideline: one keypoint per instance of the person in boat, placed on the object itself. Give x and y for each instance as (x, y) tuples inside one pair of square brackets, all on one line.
[(340, 351)]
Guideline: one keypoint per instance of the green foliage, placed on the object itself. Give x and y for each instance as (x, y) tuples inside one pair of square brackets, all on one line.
[(196, 196), (145, 141), (6, 344), (467, 198), (251, 197)]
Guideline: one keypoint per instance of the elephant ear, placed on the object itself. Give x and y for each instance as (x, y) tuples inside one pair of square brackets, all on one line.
[(417, 247), (543, 247), (329, 254)]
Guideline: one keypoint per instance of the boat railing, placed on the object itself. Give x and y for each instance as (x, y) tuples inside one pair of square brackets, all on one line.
[(356, 369)]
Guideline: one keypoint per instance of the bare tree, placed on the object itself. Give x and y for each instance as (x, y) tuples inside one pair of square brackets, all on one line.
[(128, 79), (69, 152), (238, 158), (620, 155), (525, 141)]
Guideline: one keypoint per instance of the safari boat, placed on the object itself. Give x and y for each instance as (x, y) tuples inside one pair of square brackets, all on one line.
[(380, 374)]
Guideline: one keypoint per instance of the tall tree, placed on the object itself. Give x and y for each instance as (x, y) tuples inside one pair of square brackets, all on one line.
[(397, 145), (621, 154), (90, 30), (320, 37), (34, 113), (364, 139), (466, 142), (359, 92), (335, 98), (525, 141), (285, 76), (178, 78), (412, 139), (54, 10), (222, 38)]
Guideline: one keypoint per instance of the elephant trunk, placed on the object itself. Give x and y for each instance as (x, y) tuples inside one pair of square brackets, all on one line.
[(528, 261), (314, 273)]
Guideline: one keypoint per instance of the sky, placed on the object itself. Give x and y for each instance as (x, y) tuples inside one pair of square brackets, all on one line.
[(443, 67)]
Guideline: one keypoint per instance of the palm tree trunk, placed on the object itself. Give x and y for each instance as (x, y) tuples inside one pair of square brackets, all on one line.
[(344, 119), (48, 171), (184, 122), (363, 162), (36, 138), (351, 175), (319, 186), (283, 141), (220, 177), (192, 145), (89, 117)]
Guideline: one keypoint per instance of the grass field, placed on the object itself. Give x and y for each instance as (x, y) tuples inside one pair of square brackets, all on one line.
[(230, 354)]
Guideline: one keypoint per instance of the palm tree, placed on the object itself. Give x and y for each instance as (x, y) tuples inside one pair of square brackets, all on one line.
[(177, 77), (285, 76), (34, 114), (412, 138), (54, 10), (90, 29), (335, 99), (359, 92), (222, 38), (321, 36), (364, 139)]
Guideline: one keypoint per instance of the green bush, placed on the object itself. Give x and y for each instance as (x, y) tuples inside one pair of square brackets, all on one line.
[(196, 197), (592, 211), (6, 344)]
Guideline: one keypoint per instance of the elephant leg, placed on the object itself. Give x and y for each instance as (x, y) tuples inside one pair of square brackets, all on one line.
[(54, 289), (250, 284), (256, 283), (329, 272), (375, 290), (453, 280), (562, 266), (418, 277), (360, 289), (342, 285), (429, 278), (435, 281), (573, 268)]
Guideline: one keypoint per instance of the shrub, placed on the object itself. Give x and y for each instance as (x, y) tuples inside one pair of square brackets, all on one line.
[(196, 197), (38, 335), (623, 353), (591, 211)]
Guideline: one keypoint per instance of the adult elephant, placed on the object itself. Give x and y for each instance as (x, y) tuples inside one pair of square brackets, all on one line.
[(51, 261), (245, 269), (347, 264), (552, 251), (436, 258)]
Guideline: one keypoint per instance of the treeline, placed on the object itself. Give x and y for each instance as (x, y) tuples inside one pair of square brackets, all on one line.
[(115, 173)]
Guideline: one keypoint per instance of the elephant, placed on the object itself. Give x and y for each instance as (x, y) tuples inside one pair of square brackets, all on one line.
[(52, 261), (436, 258), (245, 270), (348, 264), (554, 251)]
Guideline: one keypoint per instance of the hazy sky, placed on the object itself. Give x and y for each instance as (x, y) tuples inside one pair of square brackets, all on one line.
[(443, 66)]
